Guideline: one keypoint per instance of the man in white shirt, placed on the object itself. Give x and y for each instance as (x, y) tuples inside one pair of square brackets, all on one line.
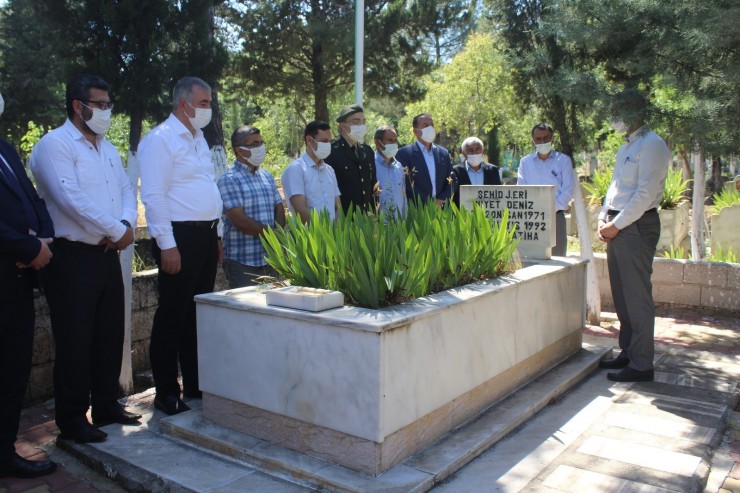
[(308, 182), (548, 167), (183, 205), (93, 206), (630, 226)]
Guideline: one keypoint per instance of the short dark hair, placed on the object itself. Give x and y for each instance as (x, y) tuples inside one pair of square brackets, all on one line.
[(381, 130), (241, 133), (79, 89), (415, 121), (543, 126), (314, 127)]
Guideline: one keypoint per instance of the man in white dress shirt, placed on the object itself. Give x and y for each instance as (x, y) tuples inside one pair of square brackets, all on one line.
[(630, 226), (308, 182), (93, 206), (183, 205), (546, 166)]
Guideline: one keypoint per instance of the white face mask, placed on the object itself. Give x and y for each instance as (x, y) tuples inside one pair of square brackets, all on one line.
[(323, 149), (390, 150), (257, 156), (99, 122), (619, 126), (474, 159), (357, 132), (202, 116), (544, 148), (2, 104), (428, 134)]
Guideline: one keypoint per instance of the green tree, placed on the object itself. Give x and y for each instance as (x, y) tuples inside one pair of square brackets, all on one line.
[(307, 47), (473, 95), (446, 25)]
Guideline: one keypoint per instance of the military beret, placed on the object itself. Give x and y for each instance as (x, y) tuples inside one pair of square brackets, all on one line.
[(347, 111)]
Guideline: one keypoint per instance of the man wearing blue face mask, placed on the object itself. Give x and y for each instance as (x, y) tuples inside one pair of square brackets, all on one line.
[(252, 204), (352, 160), (308, 182), (546, 166), (93, 206), (183, 207)]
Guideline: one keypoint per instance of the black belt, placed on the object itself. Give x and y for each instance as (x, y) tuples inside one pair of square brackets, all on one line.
[(560, 212), (82, 246), (613, 212), (198, 224)]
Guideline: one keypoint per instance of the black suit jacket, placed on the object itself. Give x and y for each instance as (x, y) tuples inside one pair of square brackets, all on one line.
[(491, 176), (355, 176), (418, 181), (16, 244)]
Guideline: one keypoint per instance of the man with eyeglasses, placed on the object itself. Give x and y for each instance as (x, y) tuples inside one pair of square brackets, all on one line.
[(183, 206), (252, 204), (93, 206), (352, 161)]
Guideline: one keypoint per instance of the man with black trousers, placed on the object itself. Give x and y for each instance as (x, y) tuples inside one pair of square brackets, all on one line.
[(183, 206), (93, 206), (26, 232)]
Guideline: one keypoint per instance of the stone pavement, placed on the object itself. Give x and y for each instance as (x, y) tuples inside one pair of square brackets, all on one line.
[(584, 441)]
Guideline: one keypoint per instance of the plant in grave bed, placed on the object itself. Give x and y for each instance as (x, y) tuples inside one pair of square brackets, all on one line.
[(377, 262), (675, 189), (599, 185), (725, 198)]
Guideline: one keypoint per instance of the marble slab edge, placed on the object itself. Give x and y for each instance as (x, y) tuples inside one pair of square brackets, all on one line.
[(418, 473), (130, 476)]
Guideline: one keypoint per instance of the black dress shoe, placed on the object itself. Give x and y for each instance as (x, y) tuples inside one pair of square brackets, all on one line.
[(614, 363), (631, 375), (192, 394), (171, 404), (116, 414), (86, 433), (18, 467)]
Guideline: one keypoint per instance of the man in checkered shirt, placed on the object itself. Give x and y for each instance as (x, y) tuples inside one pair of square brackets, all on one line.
[(252, 204)]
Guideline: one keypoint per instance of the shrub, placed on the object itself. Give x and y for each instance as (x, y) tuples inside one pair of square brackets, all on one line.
[(726, 198), (675, 189), (675, 253), (722, 255), (599, 185), (376, 262)]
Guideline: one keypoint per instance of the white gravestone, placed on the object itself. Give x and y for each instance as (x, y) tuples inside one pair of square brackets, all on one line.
[(531, 212)]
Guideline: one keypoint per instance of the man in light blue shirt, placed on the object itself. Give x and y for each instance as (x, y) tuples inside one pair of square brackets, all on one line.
[(546, 166), (630, 226), (390, 175)]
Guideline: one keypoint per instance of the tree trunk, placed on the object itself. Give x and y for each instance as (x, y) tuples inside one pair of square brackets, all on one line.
[(716, 174), (697, 219)]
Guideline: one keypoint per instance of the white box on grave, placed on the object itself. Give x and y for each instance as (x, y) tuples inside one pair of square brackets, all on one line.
[(531, 211)]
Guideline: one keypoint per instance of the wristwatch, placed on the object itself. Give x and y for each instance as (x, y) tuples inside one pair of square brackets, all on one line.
[(126, 223)]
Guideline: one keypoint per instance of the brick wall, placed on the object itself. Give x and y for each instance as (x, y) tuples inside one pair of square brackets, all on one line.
[(710, 285)]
